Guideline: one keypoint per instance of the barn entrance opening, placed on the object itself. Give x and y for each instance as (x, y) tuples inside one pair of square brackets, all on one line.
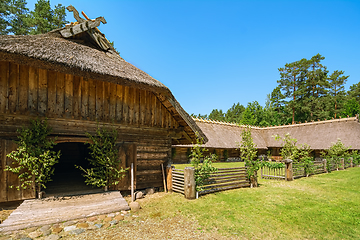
[(67, 179)]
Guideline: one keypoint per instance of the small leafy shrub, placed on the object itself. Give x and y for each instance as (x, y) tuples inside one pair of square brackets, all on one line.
[(248, 152), (105, 170), (334, 154), (203, 165), (272, 165), (34, 159)]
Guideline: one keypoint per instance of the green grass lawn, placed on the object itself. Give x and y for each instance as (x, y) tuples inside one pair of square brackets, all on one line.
[(325, 206)]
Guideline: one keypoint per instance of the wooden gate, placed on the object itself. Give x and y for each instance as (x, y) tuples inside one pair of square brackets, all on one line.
[(8, 179), (127, 155)]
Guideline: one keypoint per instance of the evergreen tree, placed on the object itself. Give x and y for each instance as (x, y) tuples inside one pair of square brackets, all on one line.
[(4, 14), (19, 20), (337, 89), (354, 91), (291, 79), (248, 117), (234, 114), (217, 115), (350, 108)]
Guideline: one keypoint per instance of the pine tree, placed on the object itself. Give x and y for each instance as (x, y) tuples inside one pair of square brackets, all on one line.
[(234, 114), (337, 89), (19, 20), (217, 115), (44, 19), (4, 14)]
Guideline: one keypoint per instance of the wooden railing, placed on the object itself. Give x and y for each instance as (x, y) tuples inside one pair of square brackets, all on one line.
[(183, 181), (274, 174), (225, 179), (177, 177)]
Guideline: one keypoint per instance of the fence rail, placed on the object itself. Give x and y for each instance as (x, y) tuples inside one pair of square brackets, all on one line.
[(225, 179), (177, 177), (221, 180)]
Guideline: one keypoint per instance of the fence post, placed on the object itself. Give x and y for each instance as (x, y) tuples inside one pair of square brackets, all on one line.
[(351, 162), (189, 183), (342, 163), (325, 168), (169, 177), (289, 170)]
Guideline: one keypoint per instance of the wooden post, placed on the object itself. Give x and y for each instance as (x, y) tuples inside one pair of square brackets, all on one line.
[(189, 183), (132, 182), (325, 168), (169, 170), (261, 172), (351, 162), (289, 170), (342, 163)]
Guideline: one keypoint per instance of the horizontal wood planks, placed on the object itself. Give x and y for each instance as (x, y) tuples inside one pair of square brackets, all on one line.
[(30, 91)]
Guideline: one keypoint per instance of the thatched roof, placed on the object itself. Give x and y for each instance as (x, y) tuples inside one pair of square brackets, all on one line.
[(319, 135), (227, 135), (81, 56)]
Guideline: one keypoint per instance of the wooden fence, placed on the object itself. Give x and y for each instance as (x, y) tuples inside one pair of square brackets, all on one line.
[(177, 178), (223, 179), (297, 170)]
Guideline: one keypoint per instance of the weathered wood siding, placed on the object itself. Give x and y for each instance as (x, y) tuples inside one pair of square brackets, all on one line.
[(74, 105), (30, 91), (8, 178)]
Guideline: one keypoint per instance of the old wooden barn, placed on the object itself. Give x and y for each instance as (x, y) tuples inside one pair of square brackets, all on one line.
[(224, 137), (75, 79)]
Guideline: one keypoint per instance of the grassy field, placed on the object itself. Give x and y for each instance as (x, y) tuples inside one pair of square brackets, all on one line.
[(325, 206)]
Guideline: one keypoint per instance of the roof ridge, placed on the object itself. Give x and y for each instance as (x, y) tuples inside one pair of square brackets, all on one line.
[(356, 118)]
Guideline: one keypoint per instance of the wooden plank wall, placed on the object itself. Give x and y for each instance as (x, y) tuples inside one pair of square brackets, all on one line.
[(8, 178), (30, 91)]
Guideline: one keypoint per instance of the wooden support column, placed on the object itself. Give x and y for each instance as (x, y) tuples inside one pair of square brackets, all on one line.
[(325, 168), (189, 183), (289, 170), (169, 177), (342, 163)]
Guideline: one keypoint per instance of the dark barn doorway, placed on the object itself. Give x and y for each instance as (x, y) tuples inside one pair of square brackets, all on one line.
[(67, 179)]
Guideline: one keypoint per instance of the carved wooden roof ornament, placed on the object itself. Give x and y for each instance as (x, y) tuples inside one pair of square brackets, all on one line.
[(86, 25)]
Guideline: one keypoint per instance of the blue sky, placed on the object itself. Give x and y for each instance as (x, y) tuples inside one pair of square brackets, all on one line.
[(212, 54)]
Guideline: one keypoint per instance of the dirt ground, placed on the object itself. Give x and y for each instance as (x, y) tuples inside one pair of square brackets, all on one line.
[(140, 227)]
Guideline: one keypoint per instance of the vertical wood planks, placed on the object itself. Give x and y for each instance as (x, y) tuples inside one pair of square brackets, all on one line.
[(13, 87), (142, 109), (119, 103), (136, 106), (69, 91), (51, 104), (126, 105), (33, 90), (92, 99), (43, 92), (106, 95), (84, 99), (77, 97), (60, 95), (3, 173), (131, 102), (99, 100), (112, 107), (12, 178), (23, 88), (4, 79)]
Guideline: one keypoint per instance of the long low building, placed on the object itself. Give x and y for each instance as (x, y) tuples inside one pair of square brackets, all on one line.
[(224, 138)]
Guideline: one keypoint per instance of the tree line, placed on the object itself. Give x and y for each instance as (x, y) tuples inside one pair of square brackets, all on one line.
[(306, 92), (16, 19)]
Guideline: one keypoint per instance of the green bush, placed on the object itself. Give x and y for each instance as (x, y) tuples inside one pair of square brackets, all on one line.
[(34, 159)]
